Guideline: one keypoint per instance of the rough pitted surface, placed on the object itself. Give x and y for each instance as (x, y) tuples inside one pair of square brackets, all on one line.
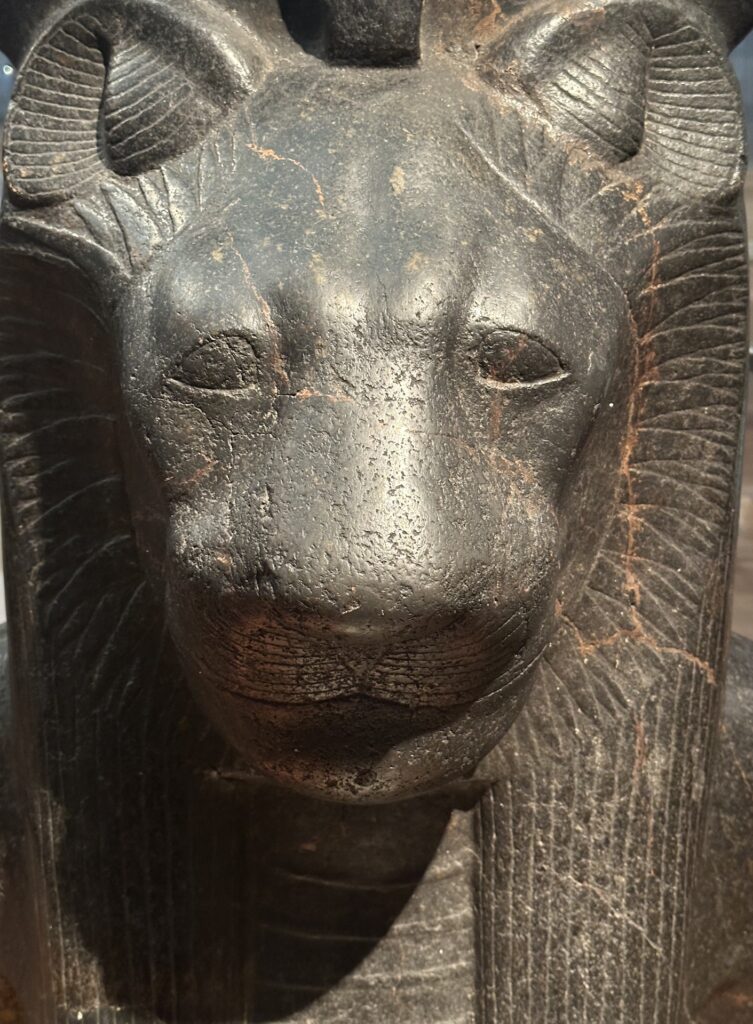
[(370, 407)]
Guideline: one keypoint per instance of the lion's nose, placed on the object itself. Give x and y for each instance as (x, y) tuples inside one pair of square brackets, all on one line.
[(336, 597), (345, 563)]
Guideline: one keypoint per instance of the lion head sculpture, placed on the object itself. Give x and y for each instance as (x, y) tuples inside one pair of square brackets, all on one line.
[(378, 329)]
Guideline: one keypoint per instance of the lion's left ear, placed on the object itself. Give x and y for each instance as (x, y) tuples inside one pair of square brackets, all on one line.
[(642, 86), (118, 87)]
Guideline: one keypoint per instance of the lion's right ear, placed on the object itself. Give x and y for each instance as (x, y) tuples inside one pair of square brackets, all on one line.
[(116, 87), (642, 87)]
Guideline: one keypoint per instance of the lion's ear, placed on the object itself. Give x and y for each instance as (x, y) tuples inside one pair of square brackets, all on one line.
[(113, 88), (632, 81)]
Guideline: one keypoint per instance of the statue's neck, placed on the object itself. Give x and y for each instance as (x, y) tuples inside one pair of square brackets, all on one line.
[(366, 912), (197, 894)]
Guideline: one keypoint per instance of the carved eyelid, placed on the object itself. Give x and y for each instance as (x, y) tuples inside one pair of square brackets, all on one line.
[(513, 359), (180, 370)]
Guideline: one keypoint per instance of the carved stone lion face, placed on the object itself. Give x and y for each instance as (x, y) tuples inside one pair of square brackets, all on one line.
[(377, 348), (373, 391)]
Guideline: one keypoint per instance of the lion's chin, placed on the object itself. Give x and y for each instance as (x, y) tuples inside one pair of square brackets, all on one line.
[(362, 749)]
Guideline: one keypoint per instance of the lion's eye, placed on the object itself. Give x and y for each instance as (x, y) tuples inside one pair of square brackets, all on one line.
[(512, 359), (223, 363)]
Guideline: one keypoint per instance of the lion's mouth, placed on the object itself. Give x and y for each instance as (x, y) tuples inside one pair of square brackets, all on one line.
[(360, 716), (281, 664), (394, 696)]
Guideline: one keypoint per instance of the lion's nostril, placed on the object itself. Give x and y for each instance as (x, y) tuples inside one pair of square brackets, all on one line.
[(265, 582)]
